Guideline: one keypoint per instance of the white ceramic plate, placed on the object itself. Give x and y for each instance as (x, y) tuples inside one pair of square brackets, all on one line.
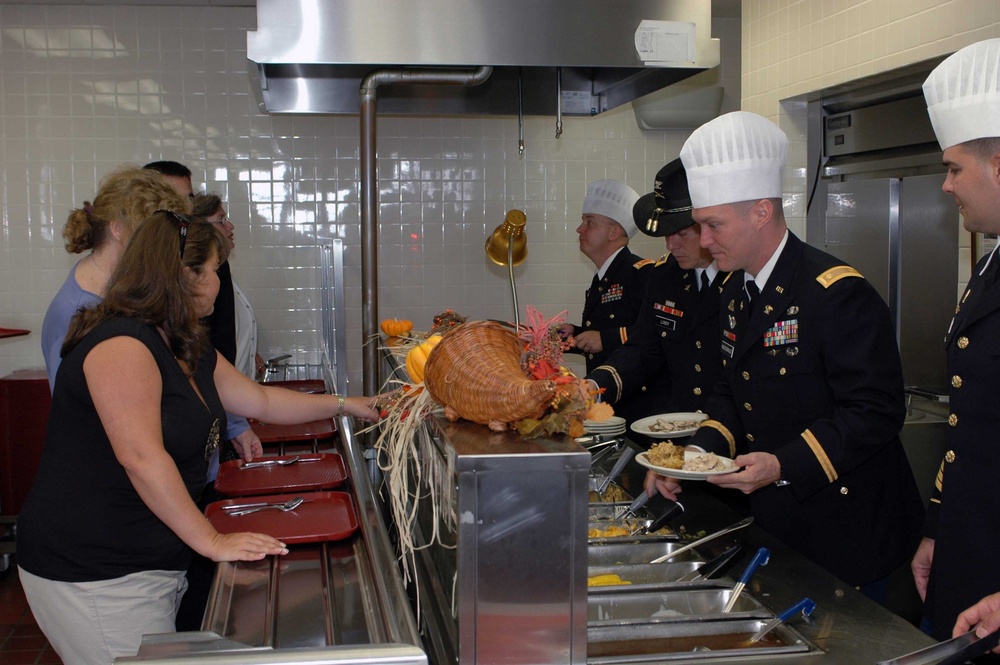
[(643, 459), (643, 426), (614, 422)]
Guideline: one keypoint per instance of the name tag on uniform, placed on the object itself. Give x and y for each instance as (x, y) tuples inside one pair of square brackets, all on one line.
[(664, 322), (728, 349), (783, 332), (614, 292)]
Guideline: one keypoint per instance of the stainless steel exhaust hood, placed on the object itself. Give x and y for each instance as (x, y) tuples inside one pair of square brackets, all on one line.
[(311, 55)]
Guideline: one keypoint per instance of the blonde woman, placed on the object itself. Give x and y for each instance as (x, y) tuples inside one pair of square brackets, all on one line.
[(126, 196)]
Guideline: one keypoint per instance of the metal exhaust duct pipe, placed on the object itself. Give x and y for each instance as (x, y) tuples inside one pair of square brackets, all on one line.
[(369, 193)]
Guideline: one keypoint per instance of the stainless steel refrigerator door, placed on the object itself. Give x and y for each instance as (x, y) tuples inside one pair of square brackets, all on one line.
[(902, 235)]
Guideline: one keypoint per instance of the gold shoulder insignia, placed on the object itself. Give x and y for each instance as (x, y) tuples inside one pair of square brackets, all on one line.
[(662, 260), (830, 277), (642, 262)]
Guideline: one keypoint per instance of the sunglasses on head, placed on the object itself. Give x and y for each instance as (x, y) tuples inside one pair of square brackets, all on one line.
[(183, 222)]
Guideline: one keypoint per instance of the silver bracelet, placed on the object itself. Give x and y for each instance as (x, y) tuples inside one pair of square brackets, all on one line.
[(340, 405)]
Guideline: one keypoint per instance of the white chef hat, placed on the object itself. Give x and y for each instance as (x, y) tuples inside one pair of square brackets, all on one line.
[(738, 156), (963, 94), (613, 199)]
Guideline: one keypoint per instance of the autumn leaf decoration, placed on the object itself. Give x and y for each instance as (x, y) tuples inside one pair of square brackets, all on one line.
[(575, 399)]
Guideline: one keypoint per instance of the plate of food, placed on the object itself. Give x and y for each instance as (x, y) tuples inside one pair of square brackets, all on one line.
[(673, 461), (669, 425)]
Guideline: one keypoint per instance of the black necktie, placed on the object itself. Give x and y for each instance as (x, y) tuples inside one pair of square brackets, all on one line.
[(752, 294), (704, 280), (594, 283)]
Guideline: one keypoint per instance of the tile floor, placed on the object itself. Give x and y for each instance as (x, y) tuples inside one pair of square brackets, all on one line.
[(21, 641)]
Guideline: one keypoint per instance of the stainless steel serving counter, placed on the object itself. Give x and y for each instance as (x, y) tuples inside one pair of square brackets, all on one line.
[(501, 580), (324, 603), (846, 627)]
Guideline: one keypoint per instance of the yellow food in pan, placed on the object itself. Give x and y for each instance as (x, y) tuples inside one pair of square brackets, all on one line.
[(608, 579)]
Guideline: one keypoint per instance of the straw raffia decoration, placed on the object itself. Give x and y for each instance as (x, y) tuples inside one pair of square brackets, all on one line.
[(475, 373)]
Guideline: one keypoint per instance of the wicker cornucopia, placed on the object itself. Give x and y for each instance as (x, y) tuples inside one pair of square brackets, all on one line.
[(475, 373)]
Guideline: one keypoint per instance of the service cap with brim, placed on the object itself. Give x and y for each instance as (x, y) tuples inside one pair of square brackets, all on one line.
[(667, 209)]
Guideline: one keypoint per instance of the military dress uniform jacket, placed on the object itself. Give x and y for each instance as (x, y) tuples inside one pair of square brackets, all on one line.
[(614, 304), (964, 512), (813, 376), (671, 359)]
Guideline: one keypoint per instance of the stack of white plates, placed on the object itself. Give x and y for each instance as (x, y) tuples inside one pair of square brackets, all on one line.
[(613, 426)]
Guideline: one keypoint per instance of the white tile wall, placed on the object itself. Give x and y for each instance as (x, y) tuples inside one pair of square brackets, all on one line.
[(84, 88)]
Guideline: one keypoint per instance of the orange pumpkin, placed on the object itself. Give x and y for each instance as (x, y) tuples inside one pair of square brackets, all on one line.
[(417, 358), (396, 327)]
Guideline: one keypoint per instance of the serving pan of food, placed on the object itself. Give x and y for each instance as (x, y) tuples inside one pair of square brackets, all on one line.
[(691, 640), (630, 607), (628, 529), (614, 493), (647, 577), (612, 553)]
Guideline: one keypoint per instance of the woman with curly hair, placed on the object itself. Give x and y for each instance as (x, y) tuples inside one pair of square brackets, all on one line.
[(127, 195)]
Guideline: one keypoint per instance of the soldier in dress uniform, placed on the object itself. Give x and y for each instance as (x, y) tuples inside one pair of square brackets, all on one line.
[(811, 400), (955, 564), (613, 299), (671, 359)]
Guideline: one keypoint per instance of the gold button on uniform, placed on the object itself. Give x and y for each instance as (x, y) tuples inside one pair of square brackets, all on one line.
[(590, 356), (956, 381), (612, 316), (697, 345), (587, 324), (663, 334), (697, 390), (697, 367), (949, 456), (963, 342), (843, 490), (750, 438), (782, 371), (644, 389), (747, 406), (953, 420), (746, 375)]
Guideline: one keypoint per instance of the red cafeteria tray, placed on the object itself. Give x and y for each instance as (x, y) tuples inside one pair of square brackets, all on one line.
[(325, 471), (322, 516)]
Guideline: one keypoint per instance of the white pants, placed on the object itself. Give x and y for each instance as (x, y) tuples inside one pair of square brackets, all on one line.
[(93, 623)]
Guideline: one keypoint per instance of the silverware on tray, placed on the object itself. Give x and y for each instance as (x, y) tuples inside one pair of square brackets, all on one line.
[(287, 506), (258, 504), (279, 462)]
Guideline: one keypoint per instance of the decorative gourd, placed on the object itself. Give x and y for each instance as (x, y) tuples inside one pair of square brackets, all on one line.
[(396, 327), (417, 358)]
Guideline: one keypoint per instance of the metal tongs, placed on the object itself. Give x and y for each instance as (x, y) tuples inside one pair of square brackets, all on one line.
[(759, 559), (661, 521), (630, 510), (620, 463), (706, 570), (806, 606), (746, 521), (607, 447), (956, 650)]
